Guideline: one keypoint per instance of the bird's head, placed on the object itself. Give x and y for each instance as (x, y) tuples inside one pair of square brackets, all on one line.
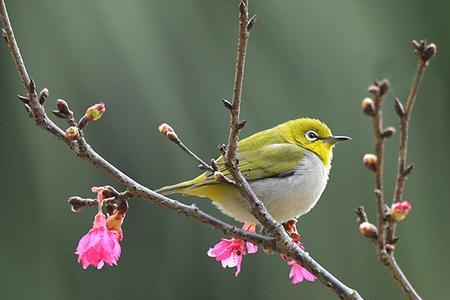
[(313, 135)]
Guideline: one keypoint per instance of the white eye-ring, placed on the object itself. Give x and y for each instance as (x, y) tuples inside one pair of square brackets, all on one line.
[(311, 136)]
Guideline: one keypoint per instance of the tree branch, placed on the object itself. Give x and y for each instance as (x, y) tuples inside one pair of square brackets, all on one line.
[(386, 225), (284, 244), (378, 90), (280, 243)]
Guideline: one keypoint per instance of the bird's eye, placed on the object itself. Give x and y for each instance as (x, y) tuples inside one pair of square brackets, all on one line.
[(311, 136)]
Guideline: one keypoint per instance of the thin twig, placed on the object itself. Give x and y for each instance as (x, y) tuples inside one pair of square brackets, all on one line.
[(379, 152), (243, 36), (424, 52), (170, 134), (386, 227), (282, 245), (402, 167), (404, 128)]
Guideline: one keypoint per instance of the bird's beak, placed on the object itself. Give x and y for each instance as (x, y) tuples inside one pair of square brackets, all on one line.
[(336, 139)]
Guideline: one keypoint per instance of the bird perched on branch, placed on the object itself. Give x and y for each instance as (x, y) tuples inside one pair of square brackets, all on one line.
[(286, 166)]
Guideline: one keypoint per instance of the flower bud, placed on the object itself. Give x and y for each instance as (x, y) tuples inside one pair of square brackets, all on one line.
[(370, 161), (62, 110), (390, 248), (72, 133), (373, 89), (408, 170), (424, 50), (62, 106), (95, 112), (168, 132), (430, 51), (24, 99), (399, 108), (379, 88), (368, 230), (76, 203), (251, 23), (368, 107), (43, 95), (384, 86), (399, 211), (388, 132)]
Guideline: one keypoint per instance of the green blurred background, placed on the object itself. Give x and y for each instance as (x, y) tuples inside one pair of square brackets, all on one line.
[(172, 61)]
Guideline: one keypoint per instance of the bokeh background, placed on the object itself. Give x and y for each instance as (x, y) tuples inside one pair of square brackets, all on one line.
[(173, 61)]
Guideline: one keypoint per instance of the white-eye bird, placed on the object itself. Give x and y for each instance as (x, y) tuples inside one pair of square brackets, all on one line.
[(286, 166)]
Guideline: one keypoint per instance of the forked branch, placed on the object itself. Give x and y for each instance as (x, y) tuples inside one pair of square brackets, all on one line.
[(383, 236)]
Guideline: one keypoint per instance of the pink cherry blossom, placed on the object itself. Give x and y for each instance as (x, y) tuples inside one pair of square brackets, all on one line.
[(231, 251), (99, 246), (298, 273), (399, 211)]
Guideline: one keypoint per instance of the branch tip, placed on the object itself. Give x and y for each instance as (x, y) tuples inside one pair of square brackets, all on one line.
[(77, 203), (379, 88), (243, 8), (424, 50)]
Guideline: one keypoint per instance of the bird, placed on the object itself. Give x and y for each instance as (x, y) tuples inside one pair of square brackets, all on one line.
[(286, 166)]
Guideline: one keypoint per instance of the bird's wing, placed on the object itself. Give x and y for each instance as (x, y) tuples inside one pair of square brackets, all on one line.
[(275, 160)]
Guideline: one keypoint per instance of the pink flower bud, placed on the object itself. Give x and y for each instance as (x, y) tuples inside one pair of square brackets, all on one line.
[(165, 128), (399, 211), (72, 133), (168, 132), (95, 112), (368, 230)]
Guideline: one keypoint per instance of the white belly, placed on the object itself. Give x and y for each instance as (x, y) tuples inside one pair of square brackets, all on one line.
[(286, 198)]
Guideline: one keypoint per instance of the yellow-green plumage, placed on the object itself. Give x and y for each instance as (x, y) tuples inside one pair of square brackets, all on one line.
[(266, 156)]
